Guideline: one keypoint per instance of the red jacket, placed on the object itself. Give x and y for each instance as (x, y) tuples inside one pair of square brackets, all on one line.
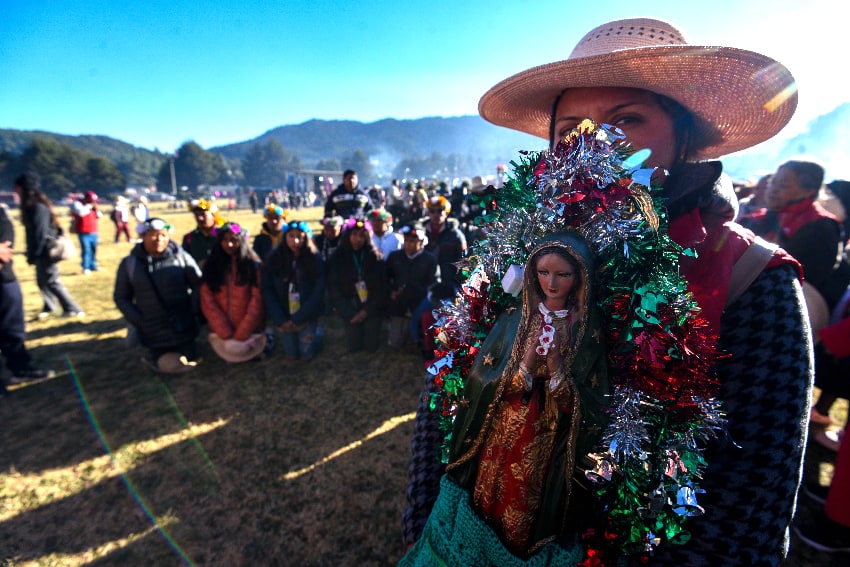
[(86, 223), (235, 311), (719, 243)]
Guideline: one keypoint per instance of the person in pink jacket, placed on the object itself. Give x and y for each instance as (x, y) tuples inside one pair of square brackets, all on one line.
[(231, 299)]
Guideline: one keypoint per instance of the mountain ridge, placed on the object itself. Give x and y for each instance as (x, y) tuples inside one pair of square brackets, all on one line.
[(482, 145)]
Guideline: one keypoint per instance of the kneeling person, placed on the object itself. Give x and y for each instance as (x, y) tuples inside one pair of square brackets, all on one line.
[(155, 290)]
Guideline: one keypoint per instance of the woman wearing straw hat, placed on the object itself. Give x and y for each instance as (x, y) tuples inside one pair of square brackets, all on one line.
[(687, 104)]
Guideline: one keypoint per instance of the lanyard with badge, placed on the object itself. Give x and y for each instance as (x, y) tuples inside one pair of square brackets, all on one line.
[(360, 285), (294, 296)]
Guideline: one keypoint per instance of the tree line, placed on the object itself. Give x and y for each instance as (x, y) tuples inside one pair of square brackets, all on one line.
[(65, 169)]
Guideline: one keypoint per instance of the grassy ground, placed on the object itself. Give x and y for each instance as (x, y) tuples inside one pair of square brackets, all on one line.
[(265, 463)]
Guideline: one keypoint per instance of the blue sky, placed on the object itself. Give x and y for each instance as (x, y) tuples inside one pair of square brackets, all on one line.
[(156, 74)]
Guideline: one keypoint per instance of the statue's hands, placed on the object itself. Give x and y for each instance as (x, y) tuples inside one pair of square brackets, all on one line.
[(529, 358)]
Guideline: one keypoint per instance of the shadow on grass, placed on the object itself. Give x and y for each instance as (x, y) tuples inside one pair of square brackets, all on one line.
[(224, 490)]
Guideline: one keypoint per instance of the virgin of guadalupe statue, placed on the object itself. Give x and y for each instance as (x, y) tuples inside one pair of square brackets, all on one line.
[(532, 409)]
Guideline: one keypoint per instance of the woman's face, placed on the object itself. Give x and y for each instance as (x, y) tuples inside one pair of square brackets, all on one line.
[(230, 244), (635, 111), (557, 277), (295, 239), (358, 238)]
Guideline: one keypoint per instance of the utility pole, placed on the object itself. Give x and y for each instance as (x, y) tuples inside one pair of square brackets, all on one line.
[(173, 177)]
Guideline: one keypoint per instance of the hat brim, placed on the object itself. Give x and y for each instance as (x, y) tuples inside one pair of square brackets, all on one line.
[(232, 350), (738, 98)]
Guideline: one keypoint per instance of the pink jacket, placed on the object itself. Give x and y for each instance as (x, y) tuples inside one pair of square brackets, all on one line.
[(235, 311)]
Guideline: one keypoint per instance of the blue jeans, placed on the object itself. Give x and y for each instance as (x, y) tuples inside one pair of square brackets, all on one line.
[(303, 344), (88, 250)]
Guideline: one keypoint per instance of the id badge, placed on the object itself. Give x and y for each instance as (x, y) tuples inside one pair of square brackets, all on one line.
[(294, 300), (362, 292)]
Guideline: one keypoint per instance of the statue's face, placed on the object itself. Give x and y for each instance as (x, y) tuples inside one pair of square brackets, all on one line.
[(557, 278)]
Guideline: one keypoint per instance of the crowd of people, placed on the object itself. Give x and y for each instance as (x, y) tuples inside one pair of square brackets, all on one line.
[(771, 278)]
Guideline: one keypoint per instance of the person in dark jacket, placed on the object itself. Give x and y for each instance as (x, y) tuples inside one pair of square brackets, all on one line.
[(200, 241), (156, 289), (41, 225), (349, 199), (12, 326), (328, 240), (294, 291), (357, 286), (753, 473), (410, 272), (271, 234), (445, 239)]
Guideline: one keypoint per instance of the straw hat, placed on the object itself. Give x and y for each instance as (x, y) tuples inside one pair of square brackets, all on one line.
[(738, 98), (233, 350)]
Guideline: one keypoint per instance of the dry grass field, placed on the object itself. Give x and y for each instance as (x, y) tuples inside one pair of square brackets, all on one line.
[(264, 463)]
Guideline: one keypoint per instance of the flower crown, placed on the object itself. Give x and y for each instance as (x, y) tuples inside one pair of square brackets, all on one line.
[(332, 221), (202, 204), (382, 215), (297, 225), (231, 227), (276, 210), (153, 224), (357, 223)]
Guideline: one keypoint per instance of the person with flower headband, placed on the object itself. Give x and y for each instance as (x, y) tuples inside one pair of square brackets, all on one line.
[(271, 233), (410, 272), (357, 286), (385, 239), (155, 290), (328, 240), (682, 106), (201, 240), (231, 297), (294, 283)]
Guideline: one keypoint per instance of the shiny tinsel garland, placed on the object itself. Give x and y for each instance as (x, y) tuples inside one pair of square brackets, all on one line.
[(663, 405)]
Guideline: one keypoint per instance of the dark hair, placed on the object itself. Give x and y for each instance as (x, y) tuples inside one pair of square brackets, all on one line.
[(348, 172), (684, 129), (560, 251), (345, 241), (282, 258), (809, 174), (30, 185), (218, 263)]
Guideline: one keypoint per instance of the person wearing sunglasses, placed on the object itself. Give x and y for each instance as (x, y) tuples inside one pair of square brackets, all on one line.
[(155, 290), (445, 239)]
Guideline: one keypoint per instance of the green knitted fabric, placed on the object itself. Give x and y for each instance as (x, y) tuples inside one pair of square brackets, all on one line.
[(455, 536)]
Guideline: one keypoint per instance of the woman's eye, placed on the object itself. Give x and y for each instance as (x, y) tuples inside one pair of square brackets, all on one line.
[(626, 120)]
